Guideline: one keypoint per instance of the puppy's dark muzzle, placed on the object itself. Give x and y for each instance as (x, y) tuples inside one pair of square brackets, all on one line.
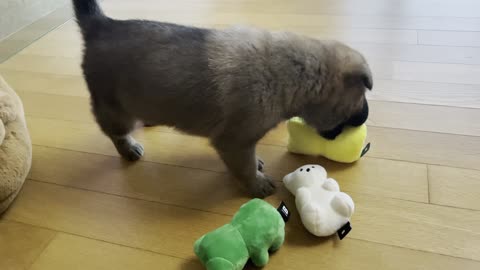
[(355, 120)]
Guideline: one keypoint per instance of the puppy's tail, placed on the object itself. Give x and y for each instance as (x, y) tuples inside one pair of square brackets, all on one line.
[(86, 11)]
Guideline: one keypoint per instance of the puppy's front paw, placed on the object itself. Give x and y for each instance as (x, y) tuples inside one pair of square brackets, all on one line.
[(132, 151), (262, 186), (136, 152)]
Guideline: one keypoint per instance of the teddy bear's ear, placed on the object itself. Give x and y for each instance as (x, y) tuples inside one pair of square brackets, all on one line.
[(287, 178), (287, 181)]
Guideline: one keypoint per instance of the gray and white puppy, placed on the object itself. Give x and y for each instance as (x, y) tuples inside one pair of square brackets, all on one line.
[(231, 86)]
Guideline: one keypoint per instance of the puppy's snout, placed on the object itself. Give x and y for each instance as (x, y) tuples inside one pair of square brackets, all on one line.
[(360, 117), (357, 119)]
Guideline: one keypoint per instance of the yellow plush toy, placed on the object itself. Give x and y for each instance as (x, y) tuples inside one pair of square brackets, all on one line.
[(347, 147)]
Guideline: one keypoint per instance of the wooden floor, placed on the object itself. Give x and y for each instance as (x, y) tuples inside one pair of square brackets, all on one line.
[(417, 192)]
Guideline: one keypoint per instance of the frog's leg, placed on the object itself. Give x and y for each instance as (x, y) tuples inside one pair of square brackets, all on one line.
[(343, 204), (219, 264), (260, 257), (278, 242)]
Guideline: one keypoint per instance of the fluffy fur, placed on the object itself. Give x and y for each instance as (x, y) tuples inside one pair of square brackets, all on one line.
[(231, 85)]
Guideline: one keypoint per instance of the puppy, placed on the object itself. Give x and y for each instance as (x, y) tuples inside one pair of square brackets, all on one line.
[(231, 86)]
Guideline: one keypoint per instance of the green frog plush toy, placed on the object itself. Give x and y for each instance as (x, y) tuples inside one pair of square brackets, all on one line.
[(256, 229)]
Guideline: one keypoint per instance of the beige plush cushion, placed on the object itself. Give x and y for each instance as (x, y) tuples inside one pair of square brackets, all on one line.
[(15, 145)]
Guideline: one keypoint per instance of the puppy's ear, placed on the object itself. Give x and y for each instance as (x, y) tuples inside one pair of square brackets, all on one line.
[(358, 75)]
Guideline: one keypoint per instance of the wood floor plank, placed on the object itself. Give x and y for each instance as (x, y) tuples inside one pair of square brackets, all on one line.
[(51, 47), (421, 8), (47, 83), (66, 41), (432, 72), (396, 144), (361, 255), (44, 64), (134, 223), (72, 252), (87, 137), (449, 38), (372, 51), (430, 226), (265, 19), (167, 229), (425, 118), (150, 181), (383, 114), (184, 186), (69, 33), (457, 95), (21, 244), (454, 187), (73, 108), (406, 180), (77, 253), (358, 35), (424, 147), (70, 37), (425, 72), (413, 146), (395, 70), (419, 53)]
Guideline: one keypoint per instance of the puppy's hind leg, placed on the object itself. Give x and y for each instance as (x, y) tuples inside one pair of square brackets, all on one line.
[(118, 126)]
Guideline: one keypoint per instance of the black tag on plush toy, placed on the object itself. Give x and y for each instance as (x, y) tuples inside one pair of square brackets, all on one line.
[(343, 231), (365, 149), (284, 212)]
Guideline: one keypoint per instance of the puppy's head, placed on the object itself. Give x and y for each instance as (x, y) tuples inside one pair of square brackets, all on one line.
[(342, 97)]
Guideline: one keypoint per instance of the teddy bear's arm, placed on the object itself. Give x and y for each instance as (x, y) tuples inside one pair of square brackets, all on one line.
[(343, 204), (303, 197), (331, 184)]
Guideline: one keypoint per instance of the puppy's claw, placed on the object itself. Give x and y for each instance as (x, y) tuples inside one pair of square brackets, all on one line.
[(134, 152)]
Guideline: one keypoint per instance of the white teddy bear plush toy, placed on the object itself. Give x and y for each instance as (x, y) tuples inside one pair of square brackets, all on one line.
[(324, 210)]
